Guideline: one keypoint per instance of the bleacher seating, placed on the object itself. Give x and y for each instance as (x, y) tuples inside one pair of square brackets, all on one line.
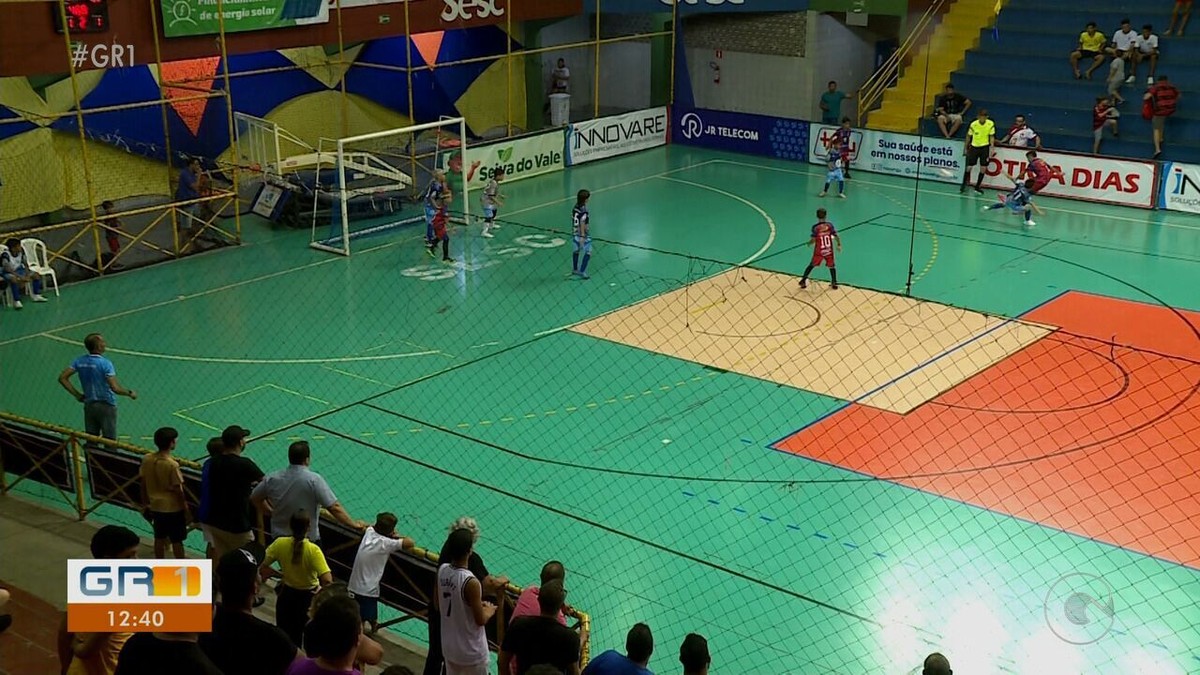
[(1024, 70)]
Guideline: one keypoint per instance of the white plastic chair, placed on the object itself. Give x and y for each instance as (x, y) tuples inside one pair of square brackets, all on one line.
[(39, 261)]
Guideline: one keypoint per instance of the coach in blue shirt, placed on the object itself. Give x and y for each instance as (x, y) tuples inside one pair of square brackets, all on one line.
[(98, 378)]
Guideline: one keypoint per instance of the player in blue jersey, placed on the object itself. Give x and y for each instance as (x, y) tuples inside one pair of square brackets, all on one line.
[(834, 159), (1020, 200), (492, 201), (581, 234), (433, 197)]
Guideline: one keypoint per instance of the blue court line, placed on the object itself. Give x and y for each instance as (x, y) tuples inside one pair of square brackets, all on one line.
[(894, 380)]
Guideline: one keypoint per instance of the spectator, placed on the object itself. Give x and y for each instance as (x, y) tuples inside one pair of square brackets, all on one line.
[(378, 543), (560, 78), (1163, 98), (296, 488), (831, 104), (14, 269), (693, 654), (231, 477), (369, 651), (1091, 46), (214, 447), (639, 645), (936, 664), (1103, 116), (541, 639), (164, 503), (331, 639), (189, 191), (464, 643), (241, 643), (1146, 49), (98, 378), (949, 110), (527, 602), (981, 136), (97, 653), (304, 571), (1116, 77), (112, 228), (1123, 41), (433, 661), (158, 653), (1186, 7), (1020, 135)]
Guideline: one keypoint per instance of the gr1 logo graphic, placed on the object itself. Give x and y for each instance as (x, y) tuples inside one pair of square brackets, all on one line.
[(135, 595)]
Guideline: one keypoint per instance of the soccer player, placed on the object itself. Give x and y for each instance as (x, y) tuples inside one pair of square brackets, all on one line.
[(1020, 200), (492, 201), (433, 197), (835, 171), (438, 227), (981, 135), (581, 234), (824, 235), (841, 139), (1039, 170)]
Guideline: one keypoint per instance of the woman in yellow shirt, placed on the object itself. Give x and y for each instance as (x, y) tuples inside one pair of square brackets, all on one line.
[(1091, 46), (304, 571)]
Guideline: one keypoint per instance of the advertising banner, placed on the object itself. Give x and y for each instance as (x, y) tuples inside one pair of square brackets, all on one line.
[(199, 17), (1180, 188), (1089, 178), (740, 132), (936, 159), (696, 6), (519, 157), (616, 135)]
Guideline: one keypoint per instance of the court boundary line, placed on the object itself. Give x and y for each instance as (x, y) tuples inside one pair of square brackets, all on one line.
[(315, 263), (816, 172)]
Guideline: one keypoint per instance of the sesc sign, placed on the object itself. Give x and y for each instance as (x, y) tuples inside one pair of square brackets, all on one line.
[(617, 135)]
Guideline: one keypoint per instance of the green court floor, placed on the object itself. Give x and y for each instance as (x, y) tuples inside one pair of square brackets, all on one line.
[(437, 391)]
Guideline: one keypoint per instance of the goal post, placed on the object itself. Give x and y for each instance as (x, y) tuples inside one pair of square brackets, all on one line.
[(378, 181)]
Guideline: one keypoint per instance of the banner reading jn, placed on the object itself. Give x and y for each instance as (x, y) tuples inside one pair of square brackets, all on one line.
[(199, 17)]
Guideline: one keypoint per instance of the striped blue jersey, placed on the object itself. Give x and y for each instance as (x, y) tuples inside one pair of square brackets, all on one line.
[(579, 220), (1019, 196), (433, 193), (490, 191)]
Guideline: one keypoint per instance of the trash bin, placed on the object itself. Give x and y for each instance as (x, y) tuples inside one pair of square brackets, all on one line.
[(560, 110)]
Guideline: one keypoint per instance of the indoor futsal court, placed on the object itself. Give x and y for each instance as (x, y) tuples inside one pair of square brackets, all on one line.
[(993, 456)]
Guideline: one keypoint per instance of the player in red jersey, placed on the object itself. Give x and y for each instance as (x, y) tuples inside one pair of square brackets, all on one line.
[(824, 235), (440, 220), (1039, 170)]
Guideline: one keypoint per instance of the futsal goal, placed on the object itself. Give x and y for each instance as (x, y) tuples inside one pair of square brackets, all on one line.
[(374, 183)]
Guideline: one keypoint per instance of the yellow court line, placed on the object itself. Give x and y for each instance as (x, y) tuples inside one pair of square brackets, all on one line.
[(356, 376), (193, 420), (296, 393)]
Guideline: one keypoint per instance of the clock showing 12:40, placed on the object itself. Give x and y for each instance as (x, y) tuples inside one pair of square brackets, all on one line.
[(126, 619), (82, 16)]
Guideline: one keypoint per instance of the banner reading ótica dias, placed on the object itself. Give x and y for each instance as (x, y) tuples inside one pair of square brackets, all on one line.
[(182, 18)]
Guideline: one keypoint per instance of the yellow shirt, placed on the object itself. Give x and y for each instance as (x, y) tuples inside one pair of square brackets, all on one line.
[(162, 478), (980, 132), (304, 575), (104, 660), (1091, 43)]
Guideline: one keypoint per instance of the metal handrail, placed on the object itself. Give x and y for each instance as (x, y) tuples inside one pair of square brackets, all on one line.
[(870, 93)]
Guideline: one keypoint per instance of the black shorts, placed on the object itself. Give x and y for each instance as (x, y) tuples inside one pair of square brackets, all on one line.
[(977, 155), (1088, 54), (368, 607), (171, 526)]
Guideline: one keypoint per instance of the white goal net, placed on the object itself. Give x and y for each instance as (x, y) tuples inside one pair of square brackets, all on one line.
[(374, 184)]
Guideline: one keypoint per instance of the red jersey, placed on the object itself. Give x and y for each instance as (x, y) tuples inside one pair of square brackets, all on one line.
[(1039, 170), (823, 234), (1100, 115), (841, 139)]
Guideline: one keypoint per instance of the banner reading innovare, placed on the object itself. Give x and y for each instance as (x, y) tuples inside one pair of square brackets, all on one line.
[(183, 18), (616, 135)]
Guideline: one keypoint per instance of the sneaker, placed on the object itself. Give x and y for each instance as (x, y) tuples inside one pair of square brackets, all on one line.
[(448, 260), (1130, 79), (584, 275), (821, 195), (1150, 80), (495, 226), (487, 234), (39, 298), (431, 253), (978, 191), (962, 190), (1030, 223), (803, 283), (833, 287), (841, 195), (17, 304), (986, 209)]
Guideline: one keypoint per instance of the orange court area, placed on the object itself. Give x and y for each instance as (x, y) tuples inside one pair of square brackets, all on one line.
[(1094, 430)]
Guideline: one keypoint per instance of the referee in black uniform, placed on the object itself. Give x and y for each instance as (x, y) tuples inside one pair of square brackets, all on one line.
[(980, 137)]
